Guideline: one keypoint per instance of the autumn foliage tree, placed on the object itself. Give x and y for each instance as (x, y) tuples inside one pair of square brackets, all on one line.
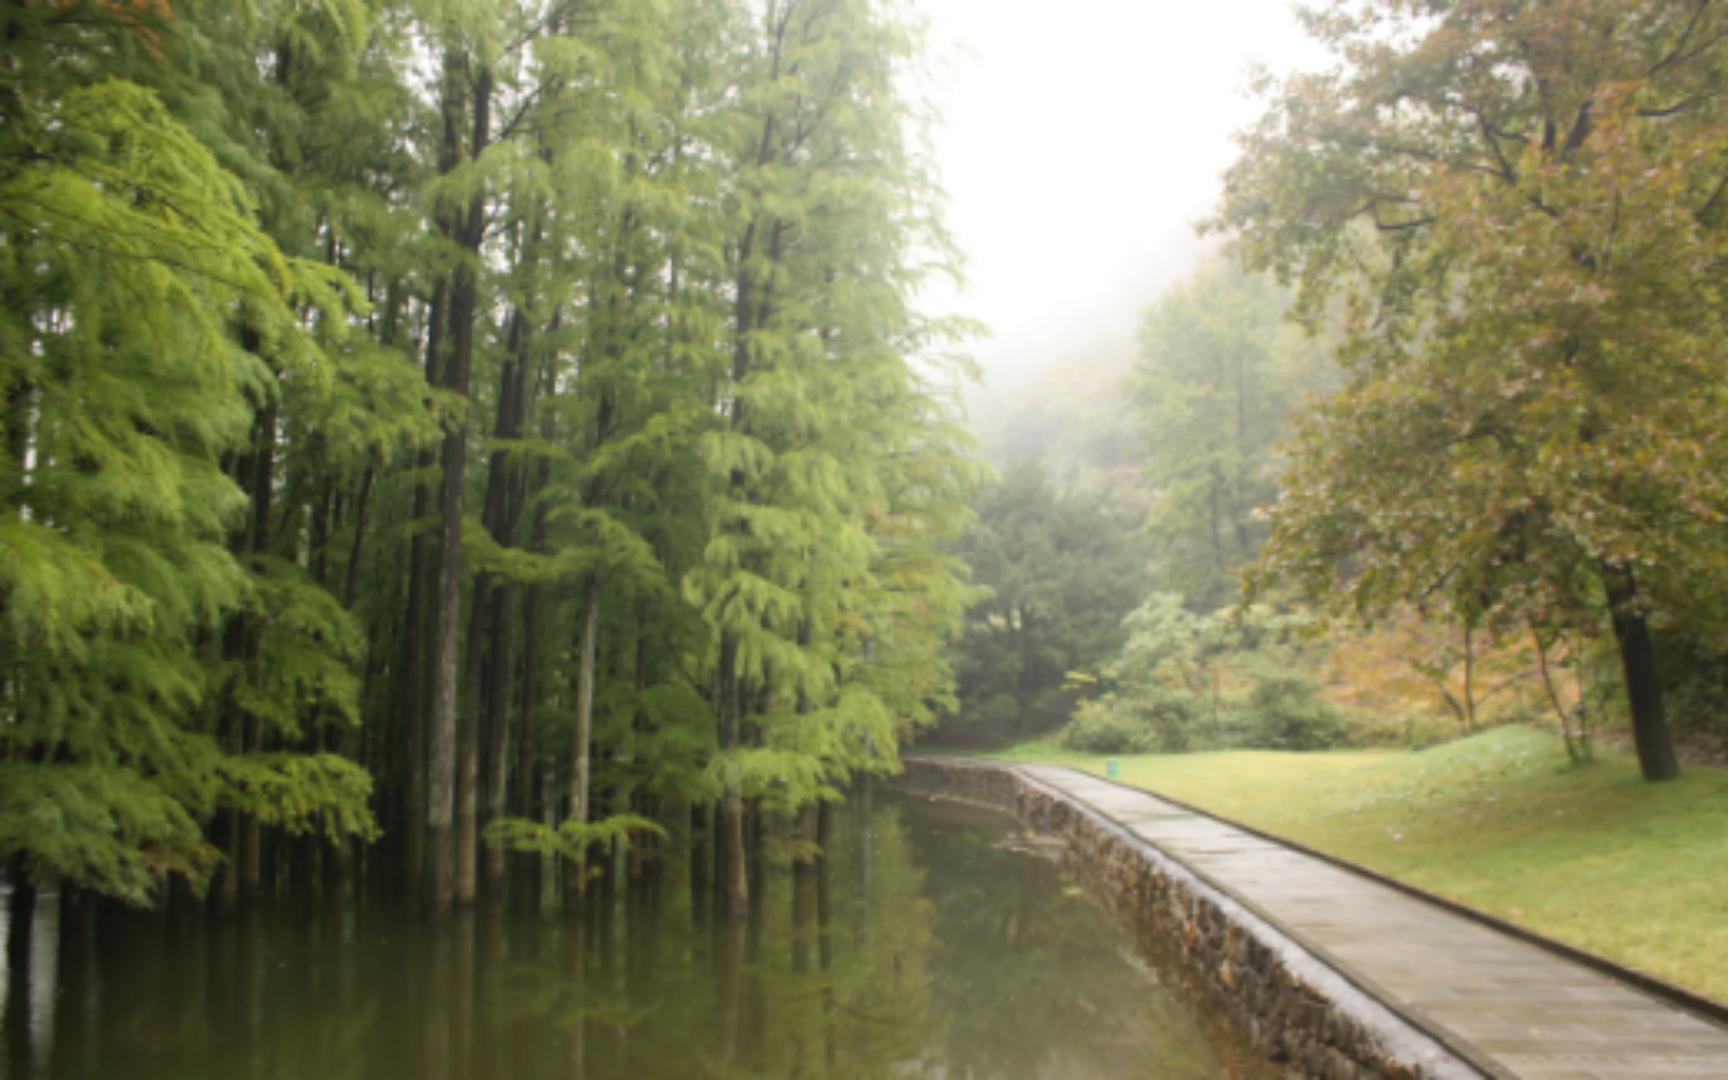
[(1520, 206)]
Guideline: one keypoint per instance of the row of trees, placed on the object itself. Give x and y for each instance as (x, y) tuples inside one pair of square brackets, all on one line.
[(529, 378)]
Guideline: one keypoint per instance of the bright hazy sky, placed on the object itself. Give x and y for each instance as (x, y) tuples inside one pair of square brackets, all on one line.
[(1079, 142)]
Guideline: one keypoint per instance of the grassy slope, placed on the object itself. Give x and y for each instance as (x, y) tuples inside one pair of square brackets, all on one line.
[(1594, 856)]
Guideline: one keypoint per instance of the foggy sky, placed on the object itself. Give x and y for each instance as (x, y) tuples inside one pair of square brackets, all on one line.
[(1079, 143)]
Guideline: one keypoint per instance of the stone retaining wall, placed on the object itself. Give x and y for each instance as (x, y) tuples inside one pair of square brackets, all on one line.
[(1296, 1010)]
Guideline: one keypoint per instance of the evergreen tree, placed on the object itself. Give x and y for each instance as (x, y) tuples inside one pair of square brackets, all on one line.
[(147, 311), (537, 434), (1061, 569)]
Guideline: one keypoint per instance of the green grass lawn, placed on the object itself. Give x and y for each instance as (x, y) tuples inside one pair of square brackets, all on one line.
[(1593, 855)]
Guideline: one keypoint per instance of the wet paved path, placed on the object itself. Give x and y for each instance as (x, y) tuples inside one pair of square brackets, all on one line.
[(1510, 1007)]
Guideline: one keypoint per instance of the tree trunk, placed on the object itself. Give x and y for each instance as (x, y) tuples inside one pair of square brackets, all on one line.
[(502, 510), (419, 641), (734, 874), (20, 933), (581, 741), (1572, 753), (441, 756), (468, 755), (464, 296), (362, 503), (495, 714), (527, 724), (1650, 733), (803, 890), (1469, 678), (248, 852)]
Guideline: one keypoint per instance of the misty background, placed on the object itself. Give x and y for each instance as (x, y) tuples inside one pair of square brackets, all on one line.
[(1078, 147)]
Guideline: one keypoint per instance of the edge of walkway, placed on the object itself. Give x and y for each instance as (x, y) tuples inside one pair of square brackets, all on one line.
[(1380, 1012), (1697, 1005), (1706, 1008)]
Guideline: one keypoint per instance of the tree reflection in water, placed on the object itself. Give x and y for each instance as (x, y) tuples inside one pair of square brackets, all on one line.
[(895, 937)]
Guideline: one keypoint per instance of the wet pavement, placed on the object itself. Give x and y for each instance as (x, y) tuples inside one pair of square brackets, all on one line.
[(1510, 1007)]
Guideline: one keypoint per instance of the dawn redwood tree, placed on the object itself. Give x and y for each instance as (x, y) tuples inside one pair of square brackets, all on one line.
[(820, 545), (1519, 207), (144, 314), (639, 271)]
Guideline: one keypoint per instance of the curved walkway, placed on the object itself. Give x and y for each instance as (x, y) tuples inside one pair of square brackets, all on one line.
[(1510, 1007)]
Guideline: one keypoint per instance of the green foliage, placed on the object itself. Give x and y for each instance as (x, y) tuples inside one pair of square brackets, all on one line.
[(1060, 570), (834, 473), (148, 315), (675, 269), (299, 793), (101, 828), (1287, 712), (1218, 375), (573, 840), (1236, 677), (1519, 212), (305, 651), (1156, 724)]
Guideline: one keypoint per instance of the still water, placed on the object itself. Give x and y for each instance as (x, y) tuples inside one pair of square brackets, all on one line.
[(935, 941)]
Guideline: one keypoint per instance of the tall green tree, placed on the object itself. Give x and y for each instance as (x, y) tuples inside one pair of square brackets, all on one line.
[(146, 313), (533, 381), (823, 411), (1059, 570), (1522, 207), (1219, 374)]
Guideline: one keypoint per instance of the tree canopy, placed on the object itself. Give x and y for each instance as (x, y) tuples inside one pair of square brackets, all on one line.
[(1220, 373), (1519, 207), (462, 421), (1057, 569)]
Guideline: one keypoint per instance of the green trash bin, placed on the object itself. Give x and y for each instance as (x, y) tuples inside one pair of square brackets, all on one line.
[(1112, 767)]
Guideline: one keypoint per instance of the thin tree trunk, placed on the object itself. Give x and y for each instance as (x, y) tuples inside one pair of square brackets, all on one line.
[(528, 772), (441, 756), (548, 818), (1553, 696), (582, 739), (250, 845), (20, 933), (496, 714), (323, 515), (468, 755), (464, 294), (528, 724), (362, 503), (1469, 678), (825, 924), (734, 874), (803, 891), (419, 642), (502, 509)]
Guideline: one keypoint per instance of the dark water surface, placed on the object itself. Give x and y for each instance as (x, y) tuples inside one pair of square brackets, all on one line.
[(934, 942)]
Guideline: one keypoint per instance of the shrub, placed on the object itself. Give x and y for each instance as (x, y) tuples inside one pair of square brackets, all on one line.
[(1286, 711), (999, 713), (1101, 730), (1162, 721)]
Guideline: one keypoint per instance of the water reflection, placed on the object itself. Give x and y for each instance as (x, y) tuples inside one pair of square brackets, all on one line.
[(927, 943)]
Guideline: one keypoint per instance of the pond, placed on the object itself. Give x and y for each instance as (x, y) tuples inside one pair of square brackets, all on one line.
[(935, 940)]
